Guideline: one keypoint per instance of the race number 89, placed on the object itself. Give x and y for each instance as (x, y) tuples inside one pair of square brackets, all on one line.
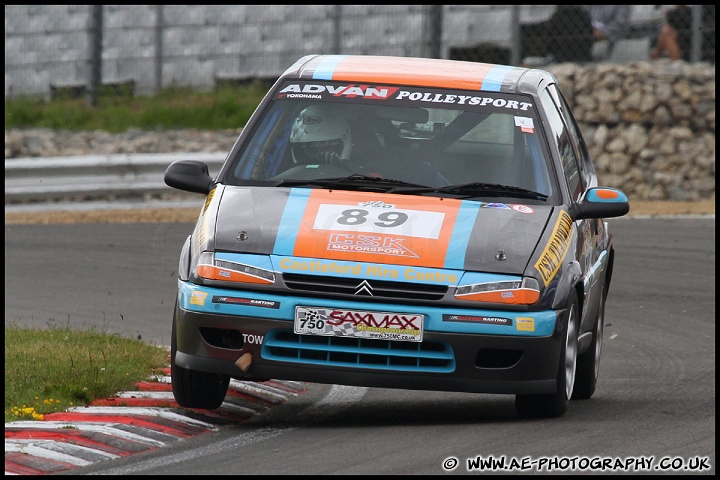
[(357, 216), (382, 220)]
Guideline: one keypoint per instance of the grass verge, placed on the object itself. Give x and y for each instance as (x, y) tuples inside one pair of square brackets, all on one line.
[(172, 108), (50, 370)]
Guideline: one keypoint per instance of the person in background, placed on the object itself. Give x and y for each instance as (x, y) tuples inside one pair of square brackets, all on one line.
[(570, 39), (675, 38), (610, 23), (565, 37)]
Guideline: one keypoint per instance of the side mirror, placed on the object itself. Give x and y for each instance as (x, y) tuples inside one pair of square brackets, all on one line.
[(190, 176), (601, 202)]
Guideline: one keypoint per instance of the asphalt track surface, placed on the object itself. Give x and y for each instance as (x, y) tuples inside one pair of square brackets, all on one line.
[(654, 408)]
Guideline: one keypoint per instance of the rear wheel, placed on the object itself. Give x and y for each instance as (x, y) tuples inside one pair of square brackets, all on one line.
[(555, 404), (192, 388), (588, 366)]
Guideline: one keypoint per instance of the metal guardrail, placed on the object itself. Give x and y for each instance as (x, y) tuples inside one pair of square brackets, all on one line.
[(95, 177)]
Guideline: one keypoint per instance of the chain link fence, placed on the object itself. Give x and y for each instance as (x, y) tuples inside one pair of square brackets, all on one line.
[(82, 49)]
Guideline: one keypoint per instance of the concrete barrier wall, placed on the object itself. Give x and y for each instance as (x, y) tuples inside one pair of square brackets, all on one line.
[(156, 46)]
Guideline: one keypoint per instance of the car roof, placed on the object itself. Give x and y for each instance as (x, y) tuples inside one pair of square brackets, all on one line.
[(420, 72)]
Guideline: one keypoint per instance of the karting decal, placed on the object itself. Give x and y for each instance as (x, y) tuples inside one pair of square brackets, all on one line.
[(552, 257), (478, 319), (251, 302), (375, 228), (525, 324)]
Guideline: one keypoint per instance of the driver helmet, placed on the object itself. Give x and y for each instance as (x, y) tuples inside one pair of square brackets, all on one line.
[(321, 134)]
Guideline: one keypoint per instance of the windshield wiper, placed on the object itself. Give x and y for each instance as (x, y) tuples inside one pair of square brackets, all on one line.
[(478, 189), (355, 180)]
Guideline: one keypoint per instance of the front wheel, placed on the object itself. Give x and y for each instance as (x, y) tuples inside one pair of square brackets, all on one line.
[(192, 388), (555, 404), (588, 367)]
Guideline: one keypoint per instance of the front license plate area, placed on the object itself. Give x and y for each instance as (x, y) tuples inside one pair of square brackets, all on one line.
[(335, 322)]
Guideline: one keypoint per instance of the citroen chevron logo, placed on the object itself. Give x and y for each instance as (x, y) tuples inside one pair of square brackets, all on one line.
[(364, 288)]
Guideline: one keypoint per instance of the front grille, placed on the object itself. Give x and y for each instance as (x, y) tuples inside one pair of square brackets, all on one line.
[(428, 356), (349, 286)]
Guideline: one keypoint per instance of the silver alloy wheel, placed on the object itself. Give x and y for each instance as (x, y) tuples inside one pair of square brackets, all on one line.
[(599, 333), (571, 351)]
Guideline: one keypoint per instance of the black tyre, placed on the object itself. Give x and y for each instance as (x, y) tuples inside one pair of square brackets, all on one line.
[(192, 388), (588, 365), (555, 404)]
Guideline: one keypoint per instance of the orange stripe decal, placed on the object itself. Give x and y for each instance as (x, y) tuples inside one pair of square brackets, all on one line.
[(452, 74)]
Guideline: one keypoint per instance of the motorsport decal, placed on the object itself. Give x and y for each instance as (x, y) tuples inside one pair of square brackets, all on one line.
[(478, 319), (552, 257), (410, 97), (245, 301), (380, 228)]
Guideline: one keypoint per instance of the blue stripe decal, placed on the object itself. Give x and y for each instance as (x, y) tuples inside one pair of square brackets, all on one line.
[(326, 67), (290, 221), (493, 80), (455, 256)]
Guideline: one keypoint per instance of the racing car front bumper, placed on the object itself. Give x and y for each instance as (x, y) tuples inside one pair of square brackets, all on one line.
[(458, 362)]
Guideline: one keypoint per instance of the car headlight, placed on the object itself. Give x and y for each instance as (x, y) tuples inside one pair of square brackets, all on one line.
[(210, 268), (515, 292)]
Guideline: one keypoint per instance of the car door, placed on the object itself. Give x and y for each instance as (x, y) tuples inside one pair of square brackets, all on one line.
[(577, 178)]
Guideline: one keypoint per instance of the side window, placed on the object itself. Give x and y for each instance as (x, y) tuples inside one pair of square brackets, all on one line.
[(563, 141), (586, 165)]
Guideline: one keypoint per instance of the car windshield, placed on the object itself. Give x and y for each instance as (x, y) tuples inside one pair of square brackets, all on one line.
[(397, 139)]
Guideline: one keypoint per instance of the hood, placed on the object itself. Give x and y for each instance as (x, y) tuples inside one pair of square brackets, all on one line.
[(380, 228)]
